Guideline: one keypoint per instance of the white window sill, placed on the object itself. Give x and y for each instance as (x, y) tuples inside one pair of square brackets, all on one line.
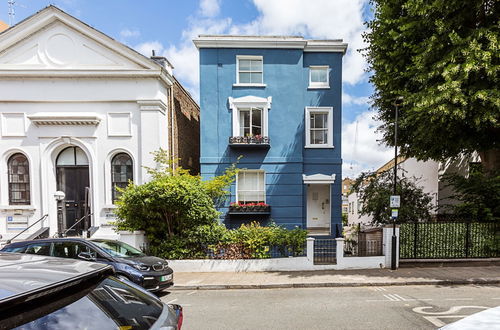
[(17, 207), (249, 85), (109, 206), (318, 87), (319, 146)]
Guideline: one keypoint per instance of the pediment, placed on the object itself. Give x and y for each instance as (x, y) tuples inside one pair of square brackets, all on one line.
[(318, 178), (54, 40), (249, 100)]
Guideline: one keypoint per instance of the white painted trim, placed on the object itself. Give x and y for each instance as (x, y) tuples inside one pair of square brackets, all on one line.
[(4, 169), (318, 178), (108, 198), (290, 42), (244, 170), (250, 101), (319, 85), (68, 118), (3, 127), (308, 111), (248, 57), (109, 116), (152, 105)]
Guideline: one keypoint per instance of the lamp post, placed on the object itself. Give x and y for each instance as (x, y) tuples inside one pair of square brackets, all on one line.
[(59, 197), (397, 103)]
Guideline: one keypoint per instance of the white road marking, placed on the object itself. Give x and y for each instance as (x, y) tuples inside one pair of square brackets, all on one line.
[(190, 293), (454, 309), (402, 299), (390, 297), (171, 301), (438, 323), (378, 288)]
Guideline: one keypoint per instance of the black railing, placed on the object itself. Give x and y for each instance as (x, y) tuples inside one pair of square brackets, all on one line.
[(24, 230), (448, 240), (249, 209), (325, 251), (249, 141), (85, 217), (363, 248)]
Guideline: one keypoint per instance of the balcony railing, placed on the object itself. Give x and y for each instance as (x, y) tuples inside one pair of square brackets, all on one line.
[(257, 208), (256, 141)]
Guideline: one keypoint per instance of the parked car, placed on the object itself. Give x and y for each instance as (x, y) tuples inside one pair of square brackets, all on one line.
[(152, 273), (42, 292)]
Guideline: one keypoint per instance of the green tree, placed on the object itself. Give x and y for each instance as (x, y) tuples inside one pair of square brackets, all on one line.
[(478, 195), (374, 191), (442, 56), (173, 203)]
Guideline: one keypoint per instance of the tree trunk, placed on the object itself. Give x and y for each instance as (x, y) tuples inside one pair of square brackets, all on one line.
[(490, 159)]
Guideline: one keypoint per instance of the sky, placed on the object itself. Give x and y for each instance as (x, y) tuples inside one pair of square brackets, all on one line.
[(169, 26)]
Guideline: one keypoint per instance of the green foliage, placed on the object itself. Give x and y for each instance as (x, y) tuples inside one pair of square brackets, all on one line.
[(442, 56), (374, 191), (478, 195)]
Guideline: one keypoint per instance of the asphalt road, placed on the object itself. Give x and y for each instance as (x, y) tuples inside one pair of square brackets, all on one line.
[(389, 307)]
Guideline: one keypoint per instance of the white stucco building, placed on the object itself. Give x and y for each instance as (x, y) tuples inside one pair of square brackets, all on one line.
[(79, 113)]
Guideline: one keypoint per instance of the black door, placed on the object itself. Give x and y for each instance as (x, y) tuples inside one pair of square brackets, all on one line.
[(73, 181)]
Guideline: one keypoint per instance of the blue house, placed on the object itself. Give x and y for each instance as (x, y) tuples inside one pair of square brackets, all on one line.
[(275, 101)]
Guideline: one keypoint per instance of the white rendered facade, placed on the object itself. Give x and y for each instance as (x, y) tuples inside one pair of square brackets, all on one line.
[(64, 84)]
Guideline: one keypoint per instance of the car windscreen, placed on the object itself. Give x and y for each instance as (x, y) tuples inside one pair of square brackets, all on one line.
[(111, 305), (118, 249)]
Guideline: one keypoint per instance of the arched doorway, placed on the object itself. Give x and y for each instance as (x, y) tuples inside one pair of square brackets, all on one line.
[(72, 170)]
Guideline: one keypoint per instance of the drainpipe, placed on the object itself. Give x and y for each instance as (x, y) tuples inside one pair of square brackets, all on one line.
[(172, 135)]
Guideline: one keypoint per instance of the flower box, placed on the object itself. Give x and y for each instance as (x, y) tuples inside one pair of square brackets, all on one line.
[(249, 208)]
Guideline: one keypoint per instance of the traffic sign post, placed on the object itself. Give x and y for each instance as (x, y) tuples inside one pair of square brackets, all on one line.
[(395, 203)]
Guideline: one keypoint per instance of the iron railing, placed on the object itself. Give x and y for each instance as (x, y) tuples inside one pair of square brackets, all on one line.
[(363, 248), (325, 251), (25, 229), (85, 217), (249, 140), (448, 240)]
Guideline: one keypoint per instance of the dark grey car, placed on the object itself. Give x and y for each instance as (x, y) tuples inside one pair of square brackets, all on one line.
[(150, 272), (38, 292)]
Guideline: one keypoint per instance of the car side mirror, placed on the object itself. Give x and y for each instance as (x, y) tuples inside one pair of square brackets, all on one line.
[(86, 256)]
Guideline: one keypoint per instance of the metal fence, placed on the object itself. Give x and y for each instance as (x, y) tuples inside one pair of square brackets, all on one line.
[(325, 251), (448, 240), (363, 248)]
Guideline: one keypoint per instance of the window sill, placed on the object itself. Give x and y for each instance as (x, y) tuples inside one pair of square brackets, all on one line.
[(17, 207), (249, 85), (318, 87), (109, 206), (319, 146)]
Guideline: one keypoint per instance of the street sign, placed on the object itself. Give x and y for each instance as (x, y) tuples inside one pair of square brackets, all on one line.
[(395, 201), (394, 213)]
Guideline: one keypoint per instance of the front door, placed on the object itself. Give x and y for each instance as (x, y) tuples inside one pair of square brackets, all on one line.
[(318, 208), (73, 179)]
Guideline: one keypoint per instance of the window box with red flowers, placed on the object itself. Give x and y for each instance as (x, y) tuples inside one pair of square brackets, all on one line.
[(249, 208)]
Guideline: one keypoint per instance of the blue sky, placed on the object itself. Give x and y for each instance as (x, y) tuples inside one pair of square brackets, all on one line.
[(168, 26)]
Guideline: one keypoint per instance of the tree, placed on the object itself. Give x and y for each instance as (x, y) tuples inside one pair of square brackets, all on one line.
[(442, 56), (173, 203), (374, 191), (477, 195)]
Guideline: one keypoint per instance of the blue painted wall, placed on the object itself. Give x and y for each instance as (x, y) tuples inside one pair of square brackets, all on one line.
[(286, 75)]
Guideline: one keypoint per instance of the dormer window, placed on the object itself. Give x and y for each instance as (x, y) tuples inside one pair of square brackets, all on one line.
[(249, 71), (319, 77)]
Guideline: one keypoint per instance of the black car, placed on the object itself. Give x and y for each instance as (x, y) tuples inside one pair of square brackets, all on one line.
[(152, 273), (40, 292)]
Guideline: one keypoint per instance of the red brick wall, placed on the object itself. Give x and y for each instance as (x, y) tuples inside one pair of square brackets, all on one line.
[(186, 129)]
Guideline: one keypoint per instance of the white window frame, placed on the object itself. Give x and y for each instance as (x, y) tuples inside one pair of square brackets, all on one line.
[(326, 84), (246, 102), (312, 110), (248, 57), (251, 171)]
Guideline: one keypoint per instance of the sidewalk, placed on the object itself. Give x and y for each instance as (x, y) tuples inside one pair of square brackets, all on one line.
[(338, 278)]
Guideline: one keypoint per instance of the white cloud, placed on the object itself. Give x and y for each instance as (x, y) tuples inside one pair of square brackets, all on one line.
[(127, 33), (362, 100), (361, 150), (209, 8), (321, 19)]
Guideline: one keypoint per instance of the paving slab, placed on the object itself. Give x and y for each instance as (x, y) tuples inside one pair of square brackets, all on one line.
[(338, 278)]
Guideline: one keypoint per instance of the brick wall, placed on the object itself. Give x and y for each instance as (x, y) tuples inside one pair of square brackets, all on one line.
[(186, 129)]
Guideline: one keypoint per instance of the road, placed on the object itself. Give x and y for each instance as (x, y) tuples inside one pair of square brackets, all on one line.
[(389, 307)]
